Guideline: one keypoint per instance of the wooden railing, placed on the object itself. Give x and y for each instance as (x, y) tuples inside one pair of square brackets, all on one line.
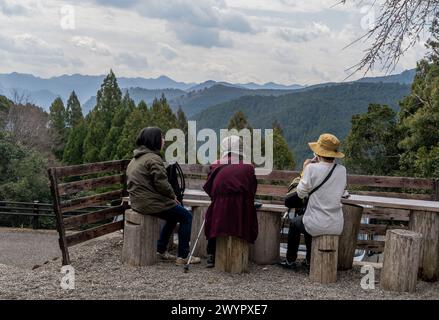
[(36, 210)]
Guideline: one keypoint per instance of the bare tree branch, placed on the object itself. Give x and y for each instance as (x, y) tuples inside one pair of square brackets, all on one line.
[(397, 29)]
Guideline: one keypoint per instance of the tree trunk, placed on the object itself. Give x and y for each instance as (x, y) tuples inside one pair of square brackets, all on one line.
[(401, 260), (348, 239), (324, 255), (266, 249), (140, 239), (427, 224), (231, 254)]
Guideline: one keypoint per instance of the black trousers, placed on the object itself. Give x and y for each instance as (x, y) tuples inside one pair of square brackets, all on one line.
[(211, 246), (296, 228)]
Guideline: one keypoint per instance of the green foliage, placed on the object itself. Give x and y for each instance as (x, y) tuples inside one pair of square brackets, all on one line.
[(5, 105), (239, 122), (419, 116), (57, 124), (182, 120), (74, 111), (283, 157), (22, 173), (109, 149), (371, 145), (139, 118), (73, 152), (108, 100)]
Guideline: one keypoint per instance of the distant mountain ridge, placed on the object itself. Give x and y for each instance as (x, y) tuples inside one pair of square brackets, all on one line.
[(42, 91), (305, 114)]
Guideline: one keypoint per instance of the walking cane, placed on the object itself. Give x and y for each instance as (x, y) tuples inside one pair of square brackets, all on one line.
[(186, 267)]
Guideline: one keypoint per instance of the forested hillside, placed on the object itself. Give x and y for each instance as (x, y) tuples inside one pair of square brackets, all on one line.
[(304, 115)]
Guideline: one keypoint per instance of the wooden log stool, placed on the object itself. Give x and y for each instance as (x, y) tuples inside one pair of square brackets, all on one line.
[(427, 224), (266, 249), (140, 239), (198, 214), (401, 260), (348, 239), (324, 255), (231, 255)]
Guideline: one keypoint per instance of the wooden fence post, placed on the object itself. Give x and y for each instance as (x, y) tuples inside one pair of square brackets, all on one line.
[(35, 218)]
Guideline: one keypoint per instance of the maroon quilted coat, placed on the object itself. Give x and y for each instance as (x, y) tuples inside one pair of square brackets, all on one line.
[(232, 211)]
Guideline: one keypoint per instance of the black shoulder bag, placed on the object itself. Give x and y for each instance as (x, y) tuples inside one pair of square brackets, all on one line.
[(176, 180), (292, 199)]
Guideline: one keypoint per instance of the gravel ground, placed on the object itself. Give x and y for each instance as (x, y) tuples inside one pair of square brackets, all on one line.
[(26, 248), (100, 275)]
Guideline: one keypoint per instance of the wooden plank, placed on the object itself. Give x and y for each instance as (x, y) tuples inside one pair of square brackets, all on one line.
[(58, 215), (414, 196), (378, 229), (73, 187), (271, 190), (93, 233), (90, 168), (390, 182), (432, 206), (86, 202), (374, 245), (386, 214), (93, 217)]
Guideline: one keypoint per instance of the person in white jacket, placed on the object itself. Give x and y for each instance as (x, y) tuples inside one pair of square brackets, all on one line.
[(323, 214)]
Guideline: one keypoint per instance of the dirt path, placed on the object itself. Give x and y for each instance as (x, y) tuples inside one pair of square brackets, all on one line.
[(26, 248)]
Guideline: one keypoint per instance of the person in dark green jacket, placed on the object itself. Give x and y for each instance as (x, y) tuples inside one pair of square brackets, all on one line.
[(151, 193)]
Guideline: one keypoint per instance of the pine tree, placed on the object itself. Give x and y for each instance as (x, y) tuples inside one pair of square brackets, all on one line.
[(182, 120), (239, 122), (283, 158), (73, 152), (371, 145), (419, 116), (74, 111), (135, 122), (57, 125), (107, 102), (162, 115), (109, 149)]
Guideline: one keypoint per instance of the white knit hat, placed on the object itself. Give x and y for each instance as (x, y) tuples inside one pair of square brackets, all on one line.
[(231, 144)]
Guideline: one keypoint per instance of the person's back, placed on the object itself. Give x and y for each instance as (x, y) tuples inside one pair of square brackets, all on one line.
[(323, 213)]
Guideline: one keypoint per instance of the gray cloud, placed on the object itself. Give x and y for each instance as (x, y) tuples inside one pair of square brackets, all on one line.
[(28, 44), (168, 52), (12, 9), (305, 34), (195, 22), (91, 44), (132, 60)]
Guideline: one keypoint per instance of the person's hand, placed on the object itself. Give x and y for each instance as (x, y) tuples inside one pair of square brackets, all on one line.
[(306, 162), (176, 200)]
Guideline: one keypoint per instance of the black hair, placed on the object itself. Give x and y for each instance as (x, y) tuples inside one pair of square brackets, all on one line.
[(150, 137), (328, 158)]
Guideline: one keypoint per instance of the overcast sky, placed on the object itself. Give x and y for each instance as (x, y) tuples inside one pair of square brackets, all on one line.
[(284, 41)]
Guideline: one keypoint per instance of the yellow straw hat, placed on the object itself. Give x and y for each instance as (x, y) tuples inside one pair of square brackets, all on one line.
[(327, 146)]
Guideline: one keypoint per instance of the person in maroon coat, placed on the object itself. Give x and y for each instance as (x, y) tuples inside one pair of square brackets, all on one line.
[(231, 185)]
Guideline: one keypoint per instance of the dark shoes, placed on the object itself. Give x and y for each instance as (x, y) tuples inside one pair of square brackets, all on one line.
[(288, 265), (210, 261), (304, 264)]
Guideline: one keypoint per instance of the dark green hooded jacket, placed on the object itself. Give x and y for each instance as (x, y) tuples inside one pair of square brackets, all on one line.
[(148, 186)]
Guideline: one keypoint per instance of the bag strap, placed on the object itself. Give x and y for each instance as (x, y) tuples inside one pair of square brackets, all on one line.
[(323, 182)]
